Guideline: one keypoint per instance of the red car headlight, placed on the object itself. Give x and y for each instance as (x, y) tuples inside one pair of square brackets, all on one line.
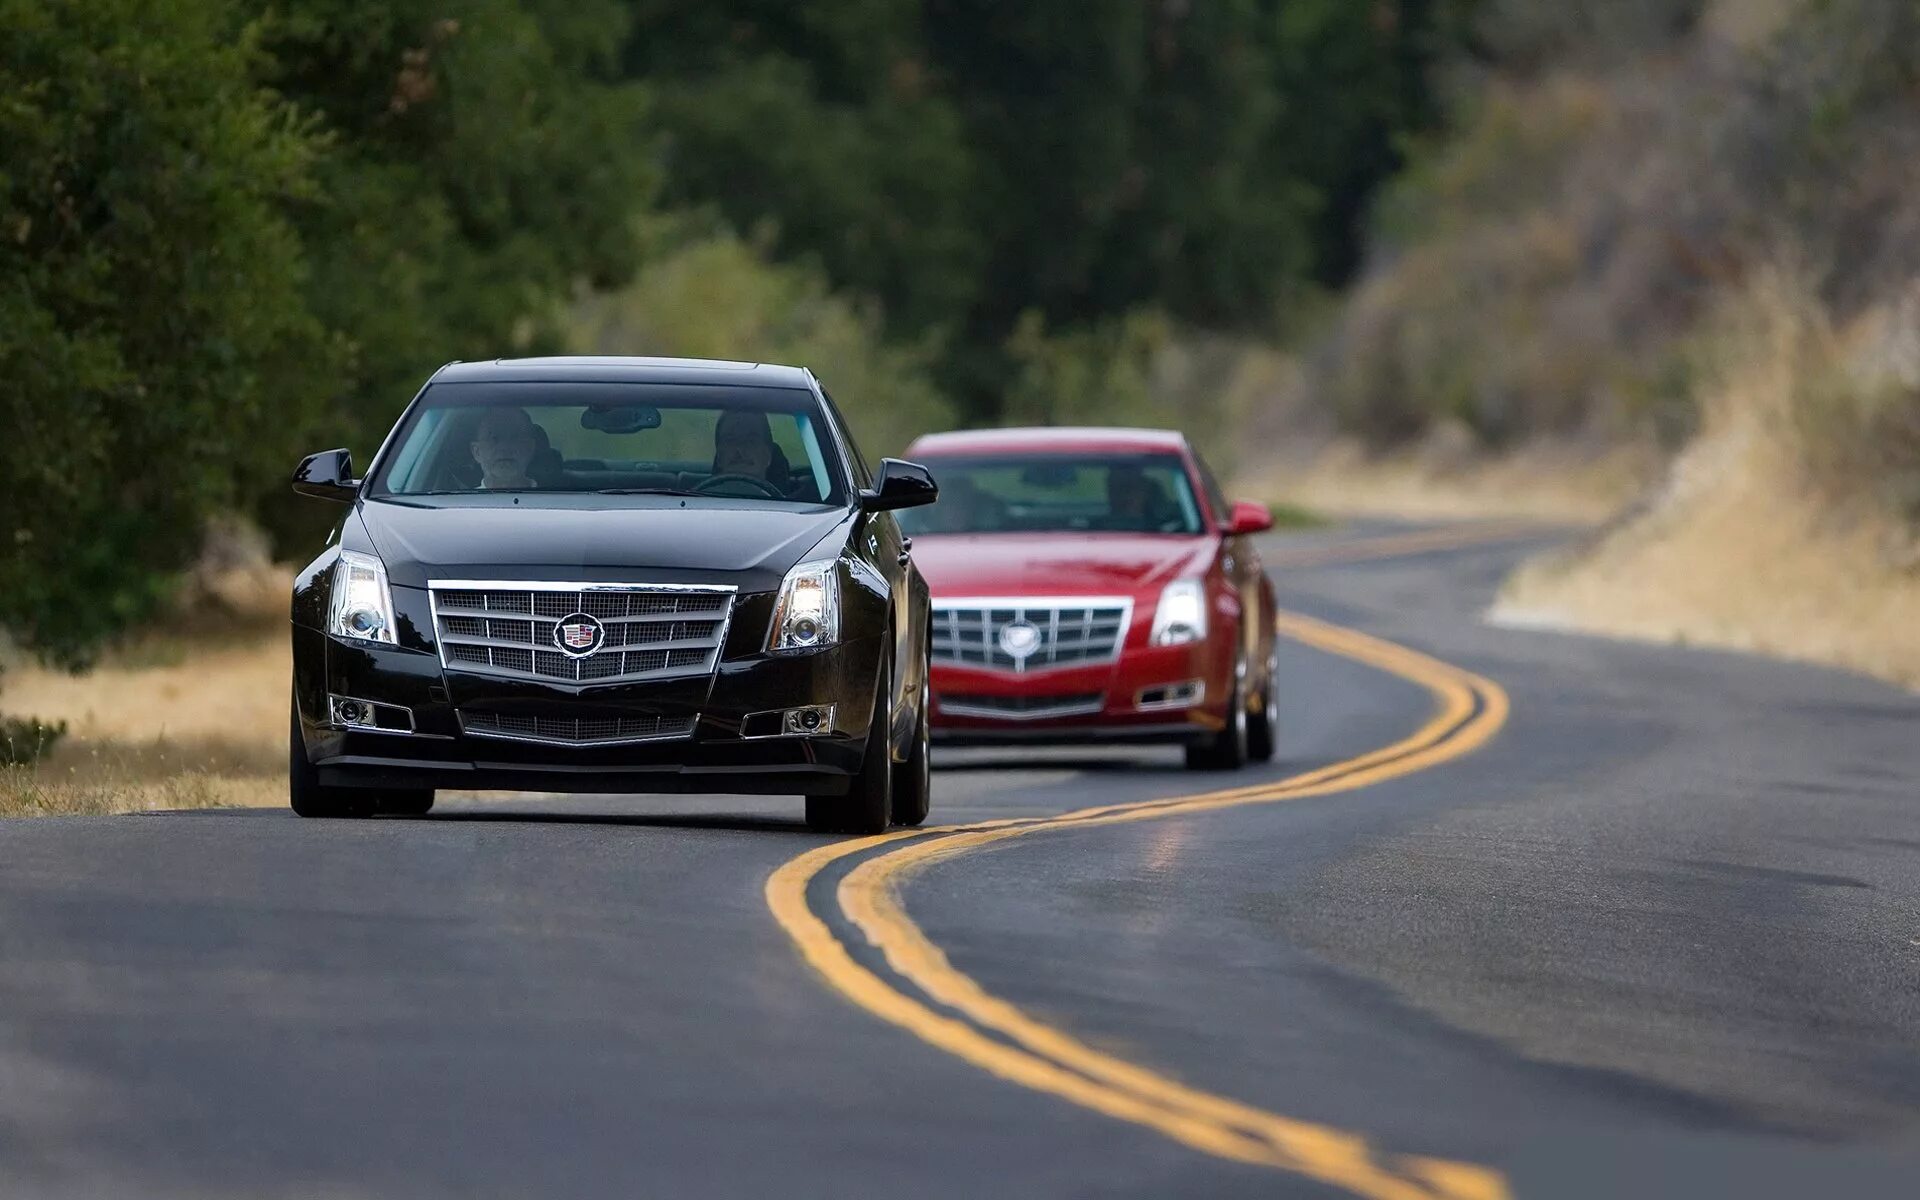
[(1181, 616)]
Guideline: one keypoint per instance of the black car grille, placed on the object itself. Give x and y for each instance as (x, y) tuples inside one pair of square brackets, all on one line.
[(647, 632), (1021, 708), (1070, 633), (574, 731)]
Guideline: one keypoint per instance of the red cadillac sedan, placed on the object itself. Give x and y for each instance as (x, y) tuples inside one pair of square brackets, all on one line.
[(1093, 585)]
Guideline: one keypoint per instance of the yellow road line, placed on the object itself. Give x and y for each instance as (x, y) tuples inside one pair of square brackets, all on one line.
[(1469, 710)]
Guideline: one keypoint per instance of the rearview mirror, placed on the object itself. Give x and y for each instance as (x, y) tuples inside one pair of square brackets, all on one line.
[(901, 485), (327, 475), (1249, 517), (620, 418), (1051, 475)]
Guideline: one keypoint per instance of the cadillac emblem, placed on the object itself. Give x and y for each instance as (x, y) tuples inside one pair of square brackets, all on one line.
[(579, 635), (1018, 639)]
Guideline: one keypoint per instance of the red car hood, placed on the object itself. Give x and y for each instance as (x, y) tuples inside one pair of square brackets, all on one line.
[(1056, 564)]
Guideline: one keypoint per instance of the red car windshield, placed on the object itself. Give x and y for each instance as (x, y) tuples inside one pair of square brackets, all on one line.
[(1059, 493)]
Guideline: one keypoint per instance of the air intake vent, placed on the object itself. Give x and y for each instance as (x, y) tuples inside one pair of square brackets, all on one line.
[(1020, 708), (574, 731)]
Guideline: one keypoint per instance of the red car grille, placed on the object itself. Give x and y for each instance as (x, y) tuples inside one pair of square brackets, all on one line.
[(1057, 633)]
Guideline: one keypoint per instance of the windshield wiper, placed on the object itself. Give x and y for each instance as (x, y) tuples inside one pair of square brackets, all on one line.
[(648, 491), (462, 492)]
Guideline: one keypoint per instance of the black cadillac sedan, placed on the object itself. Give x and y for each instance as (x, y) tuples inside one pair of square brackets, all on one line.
[(614, 575)]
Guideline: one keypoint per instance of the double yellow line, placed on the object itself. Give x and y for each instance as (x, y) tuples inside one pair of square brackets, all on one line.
[(1000, 1038)]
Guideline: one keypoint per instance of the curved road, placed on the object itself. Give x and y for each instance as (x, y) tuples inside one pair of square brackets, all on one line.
[(1514, 913)]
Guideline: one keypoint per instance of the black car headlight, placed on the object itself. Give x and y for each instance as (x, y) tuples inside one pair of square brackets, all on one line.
[(807, 614), (362, 605)]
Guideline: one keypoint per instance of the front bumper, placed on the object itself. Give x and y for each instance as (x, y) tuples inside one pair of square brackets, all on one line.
[(1120, 701), (716, 755)]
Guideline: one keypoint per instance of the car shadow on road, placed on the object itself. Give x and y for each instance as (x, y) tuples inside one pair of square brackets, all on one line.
[(705, 821), (1092, 766), (724, 822)]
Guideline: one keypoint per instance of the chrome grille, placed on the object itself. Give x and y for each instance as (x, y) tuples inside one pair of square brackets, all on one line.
[(1072, 632), (1020, 708), (573, 731), (650, 631)]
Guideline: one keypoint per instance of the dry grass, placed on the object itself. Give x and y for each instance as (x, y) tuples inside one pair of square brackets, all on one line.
[(172, 719), (1742, 548), (40, 792), (182, 692), (1446, 479)]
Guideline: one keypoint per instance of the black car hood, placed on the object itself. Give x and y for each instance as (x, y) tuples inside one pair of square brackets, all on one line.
[(591, 539)]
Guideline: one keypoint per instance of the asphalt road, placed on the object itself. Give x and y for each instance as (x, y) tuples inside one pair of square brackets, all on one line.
[(1659, 936)]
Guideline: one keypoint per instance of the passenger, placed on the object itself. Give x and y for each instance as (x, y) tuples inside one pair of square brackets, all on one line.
[(743, 445), (965, 507), (504, 445), (1139, 503), (1131, 498)]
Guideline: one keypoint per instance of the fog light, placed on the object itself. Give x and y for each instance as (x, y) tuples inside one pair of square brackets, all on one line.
[(1172, 695), (348, 713), (815, 718)]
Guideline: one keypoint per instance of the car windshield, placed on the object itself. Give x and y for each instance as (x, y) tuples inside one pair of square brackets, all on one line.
[(1138, 493), (614, 438)]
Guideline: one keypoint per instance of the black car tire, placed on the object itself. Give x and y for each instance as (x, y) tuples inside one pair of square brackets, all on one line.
[(913, 779), (867, 808), (308, 796), (1226, 750), (1263, 730)]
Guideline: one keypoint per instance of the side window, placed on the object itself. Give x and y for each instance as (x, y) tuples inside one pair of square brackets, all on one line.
[(409, 461), (856, 462), (1215, 500)]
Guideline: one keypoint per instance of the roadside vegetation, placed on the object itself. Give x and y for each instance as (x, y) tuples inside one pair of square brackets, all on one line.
[(1669, 259)]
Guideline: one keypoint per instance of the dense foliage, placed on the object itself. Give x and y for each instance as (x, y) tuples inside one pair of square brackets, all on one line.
[(1612, 203), (231, 230), (152, 327), (968, 163)]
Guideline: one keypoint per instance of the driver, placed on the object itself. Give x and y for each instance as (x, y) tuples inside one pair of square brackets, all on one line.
[(743, 445), (1136, 501), (504, 446)]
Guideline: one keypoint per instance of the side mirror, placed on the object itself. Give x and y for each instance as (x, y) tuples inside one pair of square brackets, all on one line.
[(1248, 517), (327, 475), (901, 485)]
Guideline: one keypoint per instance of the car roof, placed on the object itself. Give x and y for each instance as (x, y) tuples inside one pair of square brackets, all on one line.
[(1085, 439), (609, 368)]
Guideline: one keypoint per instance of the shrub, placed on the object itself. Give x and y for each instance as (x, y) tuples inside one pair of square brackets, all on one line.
[(23, 742), (708, 293)]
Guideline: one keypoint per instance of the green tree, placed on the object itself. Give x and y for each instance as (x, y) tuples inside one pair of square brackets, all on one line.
[(707, 293), (824, 123), (154, 340), (967, 162), (484, 162)]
